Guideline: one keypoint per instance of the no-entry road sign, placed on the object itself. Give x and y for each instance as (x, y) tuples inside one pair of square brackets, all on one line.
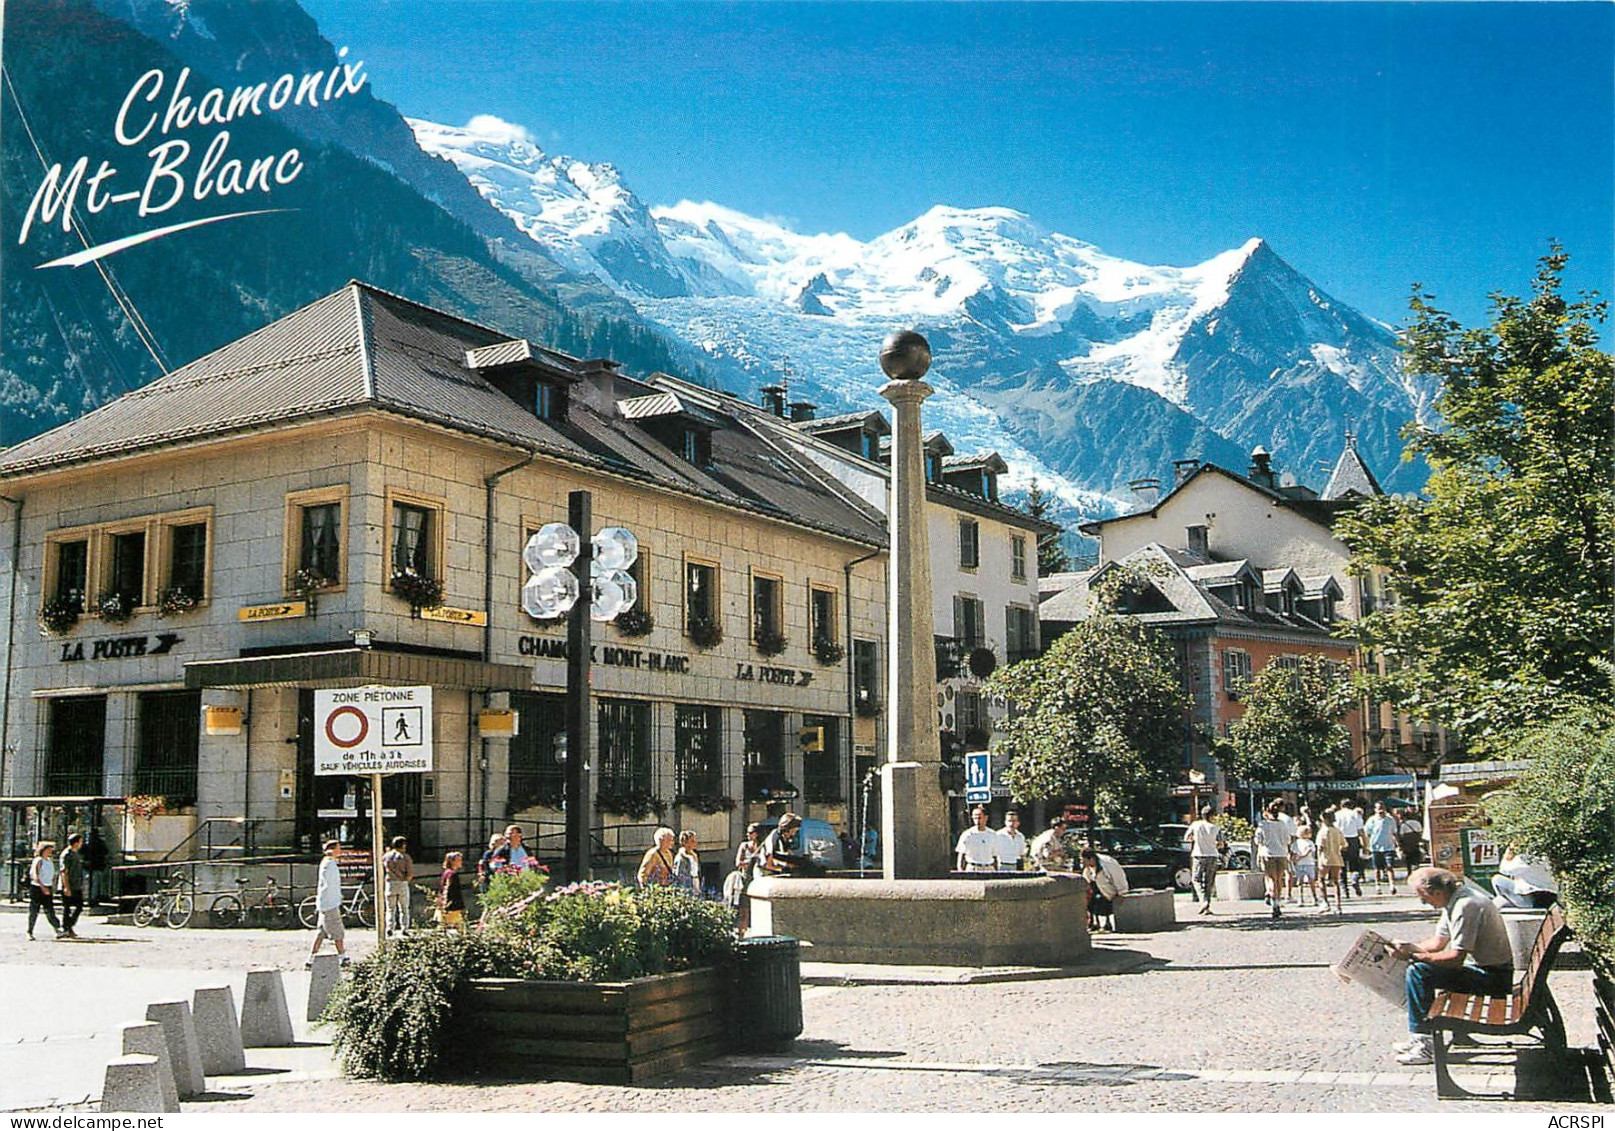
[(373, 730)]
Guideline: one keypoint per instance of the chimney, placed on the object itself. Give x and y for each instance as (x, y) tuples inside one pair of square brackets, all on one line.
[(1182, 469), (802, 410), (774, 399), (1149, 489), (1261, 469), (601, 374), (1199, 542)]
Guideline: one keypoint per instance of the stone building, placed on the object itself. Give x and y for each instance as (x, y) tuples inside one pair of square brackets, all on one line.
[(269, 519), (1266, 519)]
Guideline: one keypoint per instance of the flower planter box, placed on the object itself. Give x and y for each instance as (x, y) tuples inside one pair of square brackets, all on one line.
[(590, 1032), (158, 834)]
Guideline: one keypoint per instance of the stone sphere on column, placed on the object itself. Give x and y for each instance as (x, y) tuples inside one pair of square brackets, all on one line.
[(905, 355)]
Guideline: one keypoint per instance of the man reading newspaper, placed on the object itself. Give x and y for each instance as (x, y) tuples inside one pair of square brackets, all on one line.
[(1469, 953)]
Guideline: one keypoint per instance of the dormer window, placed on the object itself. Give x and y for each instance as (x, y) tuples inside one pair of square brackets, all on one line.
[(869, 446), (550, 402), (697, 447), (933, 468)]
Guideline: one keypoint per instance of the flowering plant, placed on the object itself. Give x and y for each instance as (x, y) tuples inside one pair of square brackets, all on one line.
[(827, 651), (770, 643), (145, 805), (704, 632), (59, 614), (420, 591), (175, 599), (635, 622), (115, 608)]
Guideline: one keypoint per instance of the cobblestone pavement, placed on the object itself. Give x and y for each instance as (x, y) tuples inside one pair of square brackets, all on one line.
[(1231, 1013)]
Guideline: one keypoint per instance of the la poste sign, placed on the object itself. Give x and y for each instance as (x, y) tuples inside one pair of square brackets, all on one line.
[(373, 730)]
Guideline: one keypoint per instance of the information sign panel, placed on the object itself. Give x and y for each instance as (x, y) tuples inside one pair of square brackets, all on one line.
[(373, 730), (978, 777)]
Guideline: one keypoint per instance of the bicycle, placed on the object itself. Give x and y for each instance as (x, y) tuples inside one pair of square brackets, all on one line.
[(360, 907), (232, 910), (172, 904)]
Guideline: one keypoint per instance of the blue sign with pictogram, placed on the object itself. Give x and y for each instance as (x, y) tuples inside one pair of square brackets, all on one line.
[(978, 777)]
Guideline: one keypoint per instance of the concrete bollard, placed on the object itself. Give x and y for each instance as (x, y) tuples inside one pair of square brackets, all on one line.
[(180, 1031), (218, 1033), (322, 979), (132, 1084), (265, 1020), (145, 1038)]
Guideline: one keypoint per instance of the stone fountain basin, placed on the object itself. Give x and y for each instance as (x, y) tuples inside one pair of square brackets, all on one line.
[(1014, 920)]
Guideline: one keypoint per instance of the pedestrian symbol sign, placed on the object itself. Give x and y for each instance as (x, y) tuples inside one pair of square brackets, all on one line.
[(978, 777), (373, 730)]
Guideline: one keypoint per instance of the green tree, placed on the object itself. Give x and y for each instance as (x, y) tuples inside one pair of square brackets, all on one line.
[(1100, 715), (1051, 555), (1291, 729), (1502, 571), (1562, 809)]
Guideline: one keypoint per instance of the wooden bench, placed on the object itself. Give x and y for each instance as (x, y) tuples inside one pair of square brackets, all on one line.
[(1529, 1007)]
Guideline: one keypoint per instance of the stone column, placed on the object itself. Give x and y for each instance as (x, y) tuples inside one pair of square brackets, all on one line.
[(914, 816)]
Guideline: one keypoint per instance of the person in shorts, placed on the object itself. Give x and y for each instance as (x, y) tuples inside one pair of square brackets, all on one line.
[(450, 899), (328, 903), (1304, 862)]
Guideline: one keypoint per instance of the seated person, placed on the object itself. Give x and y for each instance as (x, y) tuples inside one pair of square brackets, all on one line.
[(1107, 879), (1524, 881), (783, 851)]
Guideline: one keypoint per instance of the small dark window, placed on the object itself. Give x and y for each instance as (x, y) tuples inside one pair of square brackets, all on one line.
[(128, 577), (766, 613), (321, 549), (697, 448), (866, 675), (412, 539), (824, 617), (697, 751), (550, 402), (187, 559), (969, 543), (72, 561), (1017, 557), (700, 596), (166, 762), (967, 622)]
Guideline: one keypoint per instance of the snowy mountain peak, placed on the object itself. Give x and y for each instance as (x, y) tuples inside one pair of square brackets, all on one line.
[(1032, 328)]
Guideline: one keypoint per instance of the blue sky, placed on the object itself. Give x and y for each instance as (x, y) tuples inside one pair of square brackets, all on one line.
[(1372, 145)]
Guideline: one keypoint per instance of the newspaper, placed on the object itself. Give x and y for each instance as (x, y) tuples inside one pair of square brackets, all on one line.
[(1372, 963)]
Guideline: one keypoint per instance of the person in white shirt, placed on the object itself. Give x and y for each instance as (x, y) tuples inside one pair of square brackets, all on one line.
[(1107, 880), (1273, 851), (1304, 863), (1291, 829), (1524, 881), (328, 902), (1410, 839), (1048, 847), (1205, 851), (42, 887), (1350, 823), (977, 850), (1011, 843)]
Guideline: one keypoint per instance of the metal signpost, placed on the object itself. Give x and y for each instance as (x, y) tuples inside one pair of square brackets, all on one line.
[(373, 731)]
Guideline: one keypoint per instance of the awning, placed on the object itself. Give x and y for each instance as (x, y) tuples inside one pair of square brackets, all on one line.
[(356, 667)]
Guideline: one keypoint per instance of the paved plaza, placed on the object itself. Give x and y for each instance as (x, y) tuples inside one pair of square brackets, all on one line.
[(1231, 1013)]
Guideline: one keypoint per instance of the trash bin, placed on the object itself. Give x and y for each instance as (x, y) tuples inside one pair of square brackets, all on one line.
[(764, 1009)]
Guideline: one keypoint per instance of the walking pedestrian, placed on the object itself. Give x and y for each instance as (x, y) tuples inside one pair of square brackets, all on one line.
[(687, 864), (71, 876), (1350, 823), (96, 859), (399, 868), (977, 849), (488, 865), (1332, 859), (656, 868), (42, 886), (1011, 843), (1281, 808), (1380, 833), (1206, 843), (328, 904), (450, 899), (1410, 838), (1273, 850), (1304, 861)]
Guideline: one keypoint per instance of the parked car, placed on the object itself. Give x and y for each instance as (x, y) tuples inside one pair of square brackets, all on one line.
[(1149, 863), (1236, 854), (822, 844)]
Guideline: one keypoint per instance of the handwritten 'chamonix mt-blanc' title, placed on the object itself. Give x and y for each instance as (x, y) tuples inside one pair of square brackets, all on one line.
[(175, 169)]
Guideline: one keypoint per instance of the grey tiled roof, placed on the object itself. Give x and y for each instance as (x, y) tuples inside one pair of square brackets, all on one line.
[(1351, 477), (844, 420), (363, 350)]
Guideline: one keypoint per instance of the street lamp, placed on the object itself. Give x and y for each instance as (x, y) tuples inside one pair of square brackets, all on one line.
[(553, 590)]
